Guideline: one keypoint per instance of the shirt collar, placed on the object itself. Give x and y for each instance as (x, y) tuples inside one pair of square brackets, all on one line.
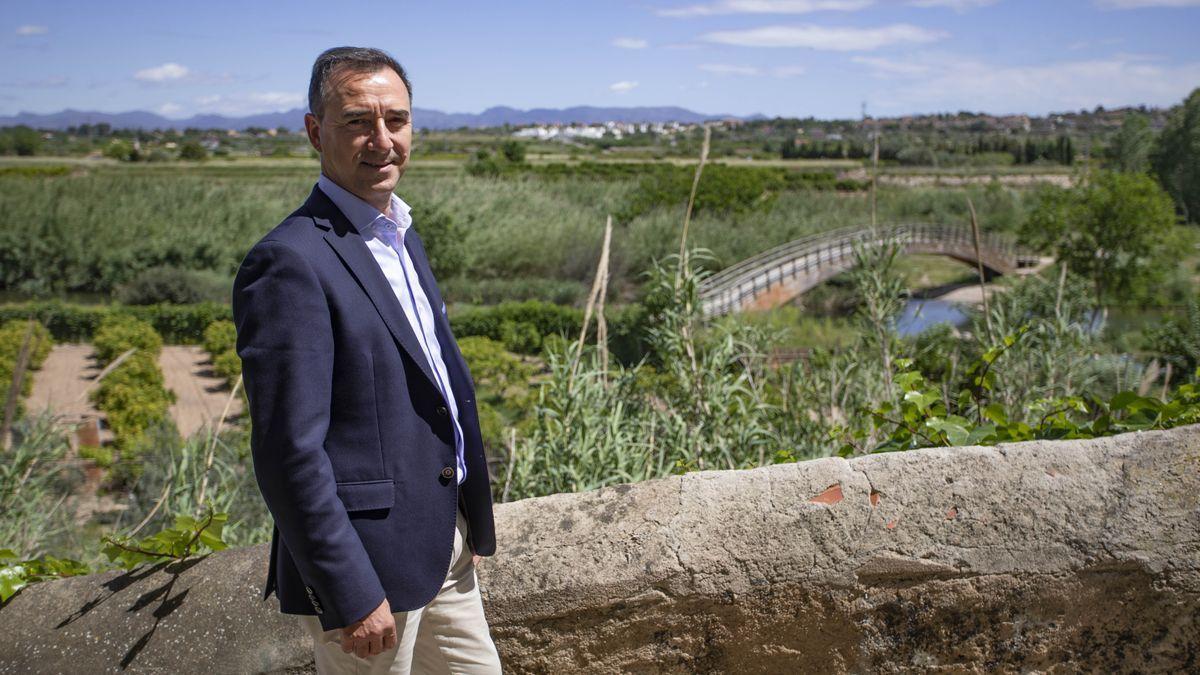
[(361, 214)]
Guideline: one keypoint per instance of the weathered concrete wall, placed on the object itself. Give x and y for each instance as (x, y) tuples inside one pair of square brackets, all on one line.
[(1040, 556)]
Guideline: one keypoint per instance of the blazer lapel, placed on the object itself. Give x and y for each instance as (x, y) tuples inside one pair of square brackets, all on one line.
[(353, 251)]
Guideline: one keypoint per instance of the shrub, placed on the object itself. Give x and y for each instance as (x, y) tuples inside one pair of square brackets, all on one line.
[(133, 398), (192, 151), (117, 334), (443, 239), (177, 324), (12, 338), (228, 366), (546, 319), (219, 337), (175, 286)]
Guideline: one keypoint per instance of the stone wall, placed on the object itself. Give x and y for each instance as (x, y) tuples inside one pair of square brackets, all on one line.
[(1041, 556)]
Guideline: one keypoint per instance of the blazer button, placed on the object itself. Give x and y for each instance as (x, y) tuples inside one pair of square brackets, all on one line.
[(441, 410), (448, 472)]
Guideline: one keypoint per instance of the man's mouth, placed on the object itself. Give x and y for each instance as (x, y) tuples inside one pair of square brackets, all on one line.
[(377, 165)]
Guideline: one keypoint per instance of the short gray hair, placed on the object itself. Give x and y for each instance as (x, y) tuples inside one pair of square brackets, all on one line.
[(357, 59)]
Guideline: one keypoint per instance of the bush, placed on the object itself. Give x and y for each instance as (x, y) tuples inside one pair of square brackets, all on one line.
[(12, 337), (133, 398), (120, 333), (519, 321), (228, 365), (175, 286), (219, 337), (193, 152), (493, 291), (177, 324), (443, 239)]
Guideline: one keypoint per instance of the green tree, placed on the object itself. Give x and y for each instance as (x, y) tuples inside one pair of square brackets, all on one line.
[(119, 150), (193, 151), (1130, 149), (24, 140), (444, 241), (514, 151), (1176, 158), (1116, 231)]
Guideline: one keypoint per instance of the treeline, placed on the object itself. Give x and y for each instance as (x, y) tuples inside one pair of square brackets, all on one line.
[(910, 149)]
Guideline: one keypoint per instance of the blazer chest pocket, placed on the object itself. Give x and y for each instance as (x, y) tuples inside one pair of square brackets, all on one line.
[(367, 495)]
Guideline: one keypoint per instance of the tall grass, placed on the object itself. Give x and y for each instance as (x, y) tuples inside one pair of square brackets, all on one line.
[(95, 231), (37, 477)]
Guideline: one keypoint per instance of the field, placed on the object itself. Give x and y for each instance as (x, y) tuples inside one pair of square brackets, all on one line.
[(99, 225)]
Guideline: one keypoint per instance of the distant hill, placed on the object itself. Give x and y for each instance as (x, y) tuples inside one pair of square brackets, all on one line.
[(429, 119)]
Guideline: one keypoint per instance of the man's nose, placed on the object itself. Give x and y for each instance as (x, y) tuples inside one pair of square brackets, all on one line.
[(379, 139)]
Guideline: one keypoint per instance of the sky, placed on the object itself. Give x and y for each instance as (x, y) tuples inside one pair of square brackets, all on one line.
[(792, 58)]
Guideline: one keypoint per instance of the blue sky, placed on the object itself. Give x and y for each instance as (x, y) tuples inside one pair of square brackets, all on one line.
[(778, 57)]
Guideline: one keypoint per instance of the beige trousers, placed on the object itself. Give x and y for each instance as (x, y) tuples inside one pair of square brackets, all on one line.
[(449, 635)]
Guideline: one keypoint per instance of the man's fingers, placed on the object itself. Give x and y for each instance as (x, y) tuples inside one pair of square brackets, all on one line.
[(362, 648), (389, 641), (347, 642)]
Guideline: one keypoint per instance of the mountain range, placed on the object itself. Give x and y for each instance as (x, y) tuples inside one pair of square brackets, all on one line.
[(426, 118)]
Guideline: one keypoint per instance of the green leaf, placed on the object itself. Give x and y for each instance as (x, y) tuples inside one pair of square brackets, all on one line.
[(995, 413), (12, 579), (956, 434), (984, 434), (1122, 399)]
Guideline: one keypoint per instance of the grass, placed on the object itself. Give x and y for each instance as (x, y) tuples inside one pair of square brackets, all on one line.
[(101, 224)]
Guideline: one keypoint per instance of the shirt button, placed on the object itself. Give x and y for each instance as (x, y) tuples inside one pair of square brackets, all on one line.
[(441, 410), (448, 472)]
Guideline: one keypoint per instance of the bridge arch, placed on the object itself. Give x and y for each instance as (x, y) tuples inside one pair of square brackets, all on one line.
[(781, 274)]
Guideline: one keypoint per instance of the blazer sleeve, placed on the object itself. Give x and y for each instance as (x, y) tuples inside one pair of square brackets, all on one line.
[(285, 341)]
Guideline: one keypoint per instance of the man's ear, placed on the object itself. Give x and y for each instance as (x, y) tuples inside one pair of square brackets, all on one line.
[(312, 126)]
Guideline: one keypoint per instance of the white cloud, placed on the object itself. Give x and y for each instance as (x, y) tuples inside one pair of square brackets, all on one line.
[(788, 71), (1140, 4), (956, 5), (32, 30), (279, 99), (629, 43), (825, 37), (891, 67), (169, 109), (945, 82), (767, 7), (249, 103), (623, 87), (164, 73), (728, 69)]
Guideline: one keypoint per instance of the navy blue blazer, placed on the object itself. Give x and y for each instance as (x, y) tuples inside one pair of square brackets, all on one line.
[(352, 441)]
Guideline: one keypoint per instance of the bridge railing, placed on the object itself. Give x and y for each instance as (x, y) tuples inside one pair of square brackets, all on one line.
[(731, 287)]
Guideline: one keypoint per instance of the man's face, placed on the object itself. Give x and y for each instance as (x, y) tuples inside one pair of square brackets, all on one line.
[(364, 134)]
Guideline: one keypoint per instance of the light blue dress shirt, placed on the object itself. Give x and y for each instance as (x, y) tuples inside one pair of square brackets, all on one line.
[(398, 268)]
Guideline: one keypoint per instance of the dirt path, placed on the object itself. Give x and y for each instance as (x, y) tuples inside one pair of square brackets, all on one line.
[(60, 385), (70, 369), (200, 395)]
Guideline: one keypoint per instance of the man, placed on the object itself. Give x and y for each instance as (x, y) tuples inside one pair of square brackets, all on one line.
[(365, 436)]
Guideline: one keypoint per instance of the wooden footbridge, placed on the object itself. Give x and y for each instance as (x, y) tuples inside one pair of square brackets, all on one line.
[(777, 276)]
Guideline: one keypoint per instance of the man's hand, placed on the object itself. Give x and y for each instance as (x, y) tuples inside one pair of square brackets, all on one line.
[(371, 635), (475, 559)]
